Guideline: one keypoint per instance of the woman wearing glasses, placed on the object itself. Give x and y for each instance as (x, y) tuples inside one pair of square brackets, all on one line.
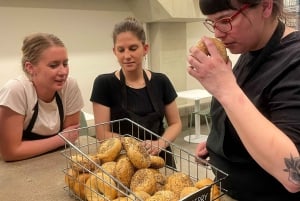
[(255, 135)]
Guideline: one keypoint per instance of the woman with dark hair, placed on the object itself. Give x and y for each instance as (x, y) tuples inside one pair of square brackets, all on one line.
[(255, 135), (132, 92)]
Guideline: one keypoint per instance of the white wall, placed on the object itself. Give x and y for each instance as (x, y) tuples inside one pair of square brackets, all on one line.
[(85, 27), (86, 34)]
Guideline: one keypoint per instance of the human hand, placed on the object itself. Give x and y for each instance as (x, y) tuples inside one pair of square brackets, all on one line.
[(201, 151), (153, 147), (211, 71), (71, 133)]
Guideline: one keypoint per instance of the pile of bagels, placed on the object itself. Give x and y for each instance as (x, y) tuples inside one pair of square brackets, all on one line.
[(125, 162)]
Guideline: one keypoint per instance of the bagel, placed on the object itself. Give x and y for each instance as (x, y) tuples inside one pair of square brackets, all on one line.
[(157, 162), (109, 167), (187, 191), (140, 194), (138, 156), (81, 164), (215, 192), (79, 185), (156, 198), (160, 179), (166, 195), (106, 185), (129, 141), (204, 182), (219, 45), (177, 181), (91, 191), (123, 199), (124, 170), (70, 177), (109, 149), (143, 180)]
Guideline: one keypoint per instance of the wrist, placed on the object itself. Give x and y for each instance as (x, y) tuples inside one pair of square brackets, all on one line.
[(59, 140), (163, 143)]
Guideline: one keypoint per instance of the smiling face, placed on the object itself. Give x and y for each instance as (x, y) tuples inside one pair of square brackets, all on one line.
[(51, 70), (130, 51)]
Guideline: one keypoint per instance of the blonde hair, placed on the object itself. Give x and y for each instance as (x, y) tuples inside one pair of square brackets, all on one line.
[(35, 44)]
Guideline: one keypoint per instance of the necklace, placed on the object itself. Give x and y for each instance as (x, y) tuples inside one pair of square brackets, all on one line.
[(136, 85)]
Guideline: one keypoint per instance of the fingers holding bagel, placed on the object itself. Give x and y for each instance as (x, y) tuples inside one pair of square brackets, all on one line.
[(213, 47)]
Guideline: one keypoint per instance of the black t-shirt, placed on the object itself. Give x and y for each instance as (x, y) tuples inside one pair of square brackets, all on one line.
[(145, 109), (107, 91), (274, 89)]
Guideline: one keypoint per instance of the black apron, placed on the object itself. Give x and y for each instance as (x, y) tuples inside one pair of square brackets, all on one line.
[(152, 121), (219, 117), (238, 167), (29, 135)]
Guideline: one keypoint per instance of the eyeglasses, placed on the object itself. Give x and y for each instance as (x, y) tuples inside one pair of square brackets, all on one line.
[(224, 25)]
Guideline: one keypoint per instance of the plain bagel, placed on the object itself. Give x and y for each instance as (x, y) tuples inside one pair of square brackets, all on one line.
[(219, 44)]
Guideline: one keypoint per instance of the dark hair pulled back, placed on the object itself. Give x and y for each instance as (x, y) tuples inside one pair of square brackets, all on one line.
[(130, 24)]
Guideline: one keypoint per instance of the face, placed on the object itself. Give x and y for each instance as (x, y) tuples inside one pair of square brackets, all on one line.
[(247, 29), (129, 51), (52, 69)]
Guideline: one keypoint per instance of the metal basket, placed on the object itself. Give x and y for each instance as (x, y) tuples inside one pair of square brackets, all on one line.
[(87, 145)]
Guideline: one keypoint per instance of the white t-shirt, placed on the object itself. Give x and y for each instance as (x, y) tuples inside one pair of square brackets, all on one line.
[(20, 96)]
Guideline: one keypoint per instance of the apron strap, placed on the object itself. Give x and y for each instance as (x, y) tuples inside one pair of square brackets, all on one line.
[(151, 95), (60, 110), (36, 110), (148, 88), (33, 119), (123, 90)]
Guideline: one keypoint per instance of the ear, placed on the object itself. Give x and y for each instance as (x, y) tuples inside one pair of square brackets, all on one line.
[(114, 50), (267, 7), (146, 49), (28, 67)]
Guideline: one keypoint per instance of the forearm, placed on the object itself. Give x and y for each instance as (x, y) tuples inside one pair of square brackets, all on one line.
[(103, 135), (172, 132), (174, 122), (32, 148), (267, 144), (103, 131)]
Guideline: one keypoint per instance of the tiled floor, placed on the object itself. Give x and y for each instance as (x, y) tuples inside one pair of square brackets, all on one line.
[(186, 145), (185, 160)]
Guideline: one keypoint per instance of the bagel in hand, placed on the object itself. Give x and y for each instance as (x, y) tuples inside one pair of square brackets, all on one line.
[(219, 44)]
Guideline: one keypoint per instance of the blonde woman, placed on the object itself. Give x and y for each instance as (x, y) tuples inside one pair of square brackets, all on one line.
[(36, 106)]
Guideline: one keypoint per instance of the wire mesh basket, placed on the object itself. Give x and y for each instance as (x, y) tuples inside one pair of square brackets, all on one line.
[(88, 178)]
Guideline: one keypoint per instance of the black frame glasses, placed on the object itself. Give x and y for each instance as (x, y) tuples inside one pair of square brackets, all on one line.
[(224, 25)]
